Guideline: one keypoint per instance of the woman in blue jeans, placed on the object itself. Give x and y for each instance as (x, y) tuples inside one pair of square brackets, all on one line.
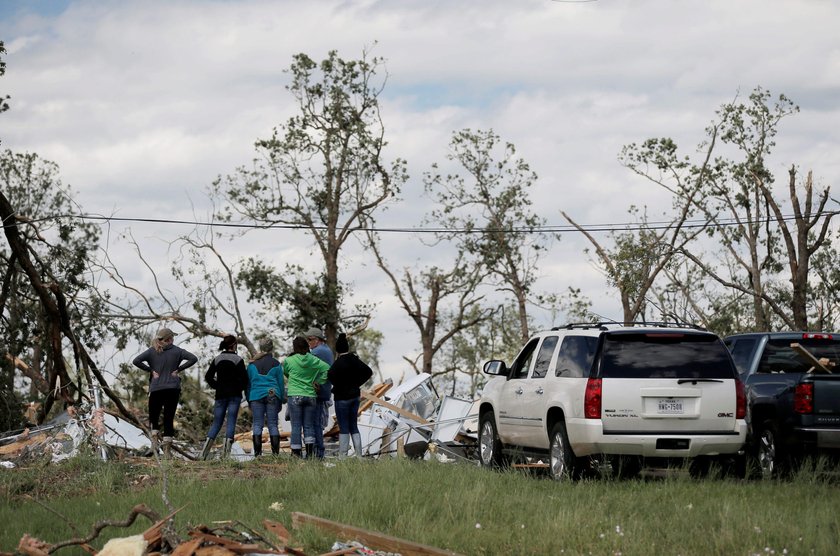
[(227, 376), (265, 376), (347, 375), (303, 371)]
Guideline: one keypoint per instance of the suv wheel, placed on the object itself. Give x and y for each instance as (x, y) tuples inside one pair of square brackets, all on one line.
[(561, 458), (489, 445)]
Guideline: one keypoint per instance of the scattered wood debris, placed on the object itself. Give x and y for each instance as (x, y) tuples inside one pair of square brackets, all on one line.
[(371, 538), (229, 538)]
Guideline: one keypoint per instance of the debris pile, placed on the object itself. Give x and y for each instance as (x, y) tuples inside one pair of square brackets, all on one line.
[(404, 420), (230, 538)]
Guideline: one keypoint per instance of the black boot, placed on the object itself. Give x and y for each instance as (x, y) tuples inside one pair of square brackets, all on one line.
[(310, 451), (257, 438), (275, 444), (296, 452)]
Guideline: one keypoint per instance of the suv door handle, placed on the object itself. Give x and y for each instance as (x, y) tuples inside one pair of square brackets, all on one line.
[(539, 390), (519, 390)]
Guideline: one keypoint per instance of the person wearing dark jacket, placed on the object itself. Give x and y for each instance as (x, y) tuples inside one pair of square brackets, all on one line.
[(164, 362), (347, 375), (228, 377), (265, 393)]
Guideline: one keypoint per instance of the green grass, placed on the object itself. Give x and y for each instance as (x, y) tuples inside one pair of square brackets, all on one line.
[(460, 507)]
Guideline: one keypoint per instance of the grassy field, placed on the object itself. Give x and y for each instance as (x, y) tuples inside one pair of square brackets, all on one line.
[(460, 507)]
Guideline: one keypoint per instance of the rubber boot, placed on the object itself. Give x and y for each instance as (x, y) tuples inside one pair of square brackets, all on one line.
[(343, 445), (275, 444), (154, 439), (205, 449), (226, 447), (296, 452), (357, 444), (166, 446), (257, 438), (310, 450)]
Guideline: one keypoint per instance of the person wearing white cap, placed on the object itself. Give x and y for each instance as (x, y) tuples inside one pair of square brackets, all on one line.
[(319, 348), (164, 362)]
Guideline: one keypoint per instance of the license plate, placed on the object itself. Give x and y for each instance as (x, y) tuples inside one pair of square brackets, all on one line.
[(670, 406)]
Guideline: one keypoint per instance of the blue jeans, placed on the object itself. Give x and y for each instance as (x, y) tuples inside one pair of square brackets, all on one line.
[(222, 407), (347, 414), (265, 409), (302, 413)]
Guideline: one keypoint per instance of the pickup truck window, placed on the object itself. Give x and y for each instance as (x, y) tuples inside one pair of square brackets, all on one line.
[(665, 356), (779, 357), (544, 357), (576, 355), (742, 353)]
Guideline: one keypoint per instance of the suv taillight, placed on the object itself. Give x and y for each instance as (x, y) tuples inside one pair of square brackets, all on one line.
[(803, 398), (740, 400), (592, 399)]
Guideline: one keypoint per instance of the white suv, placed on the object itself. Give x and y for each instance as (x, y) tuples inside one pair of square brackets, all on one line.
[(629, 393)]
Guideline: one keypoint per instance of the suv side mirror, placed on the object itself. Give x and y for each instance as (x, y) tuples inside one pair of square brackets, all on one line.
[(495, 367)]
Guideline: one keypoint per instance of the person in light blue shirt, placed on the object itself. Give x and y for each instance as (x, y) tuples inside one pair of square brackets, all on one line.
[(319, 348)]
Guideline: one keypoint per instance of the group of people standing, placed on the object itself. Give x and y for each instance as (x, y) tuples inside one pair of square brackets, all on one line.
[(308, 379)]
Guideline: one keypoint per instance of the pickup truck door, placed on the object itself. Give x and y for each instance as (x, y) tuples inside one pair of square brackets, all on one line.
[(512, 407)]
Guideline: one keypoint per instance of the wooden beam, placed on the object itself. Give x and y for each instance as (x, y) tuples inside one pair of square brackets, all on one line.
[(821, 364), (371, 539), (392, 407), (378, 390)]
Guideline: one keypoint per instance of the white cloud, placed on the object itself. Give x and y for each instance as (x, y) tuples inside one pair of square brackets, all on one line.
[(142, 105)]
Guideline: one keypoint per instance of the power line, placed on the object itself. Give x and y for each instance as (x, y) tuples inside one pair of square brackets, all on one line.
[(548, 229)]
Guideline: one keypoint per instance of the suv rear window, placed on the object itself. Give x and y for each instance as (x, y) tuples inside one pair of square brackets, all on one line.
[(779, 357), (664, 355)]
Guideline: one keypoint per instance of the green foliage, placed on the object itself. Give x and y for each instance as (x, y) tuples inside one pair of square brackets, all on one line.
[(752, 250), (291, 299), (489, 212), (322, 171), (459, 368), (61, 248)]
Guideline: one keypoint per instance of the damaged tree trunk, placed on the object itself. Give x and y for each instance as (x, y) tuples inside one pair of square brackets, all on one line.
[(58, 325)]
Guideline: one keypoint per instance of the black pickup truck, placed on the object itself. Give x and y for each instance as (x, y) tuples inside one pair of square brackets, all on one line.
[(793, 396)]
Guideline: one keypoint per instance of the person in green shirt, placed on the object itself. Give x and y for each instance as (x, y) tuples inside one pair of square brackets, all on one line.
[(303, 371)]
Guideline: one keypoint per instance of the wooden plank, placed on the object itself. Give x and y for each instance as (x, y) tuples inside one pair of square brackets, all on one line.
[(378, 391), (279, 530), (821, 364), (371, 539), (530, 466), (392, 407), (187, 548)]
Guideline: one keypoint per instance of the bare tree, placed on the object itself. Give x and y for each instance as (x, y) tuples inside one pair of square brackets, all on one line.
[(441, 303), (638, 257), (750, 221)]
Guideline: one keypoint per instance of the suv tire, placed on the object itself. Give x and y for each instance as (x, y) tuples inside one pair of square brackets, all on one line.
[(562, 460), (489, 444)]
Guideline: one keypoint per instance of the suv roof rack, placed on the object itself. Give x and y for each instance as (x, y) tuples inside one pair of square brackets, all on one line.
[(602, 325)]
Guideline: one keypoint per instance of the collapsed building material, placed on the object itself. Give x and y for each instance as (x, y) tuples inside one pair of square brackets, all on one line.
[(373, 539)]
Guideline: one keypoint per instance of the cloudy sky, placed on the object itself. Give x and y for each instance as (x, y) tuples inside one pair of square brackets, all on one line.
[(143, 104)]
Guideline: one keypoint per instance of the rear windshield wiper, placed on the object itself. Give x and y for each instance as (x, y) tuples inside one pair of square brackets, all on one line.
[(696, 380)]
